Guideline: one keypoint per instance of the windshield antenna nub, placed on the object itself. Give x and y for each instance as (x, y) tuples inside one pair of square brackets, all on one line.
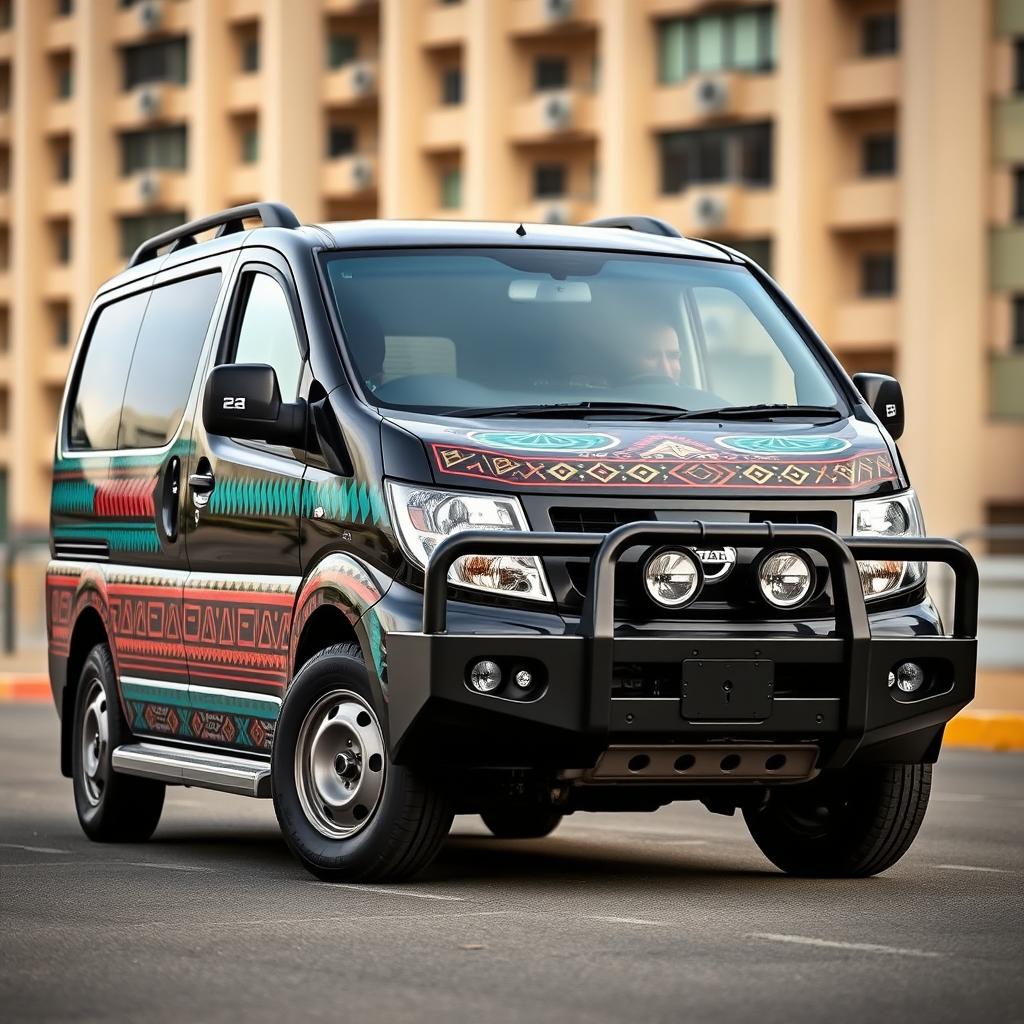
[(520, 231)]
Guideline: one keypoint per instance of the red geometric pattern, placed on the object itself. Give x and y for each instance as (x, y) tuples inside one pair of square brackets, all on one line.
[(125, 498)]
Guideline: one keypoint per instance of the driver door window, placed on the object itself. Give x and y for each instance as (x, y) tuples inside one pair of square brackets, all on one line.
[(266, 333)]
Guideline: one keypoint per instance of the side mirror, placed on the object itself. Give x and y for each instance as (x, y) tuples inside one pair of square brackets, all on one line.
[(885, 396), (244, 400)]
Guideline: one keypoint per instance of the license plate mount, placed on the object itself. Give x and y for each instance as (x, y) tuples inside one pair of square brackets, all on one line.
[(727, 689)]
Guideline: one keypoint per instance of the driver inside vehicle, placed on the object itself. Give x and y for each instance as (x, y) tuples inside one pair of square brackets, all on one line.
[(655, 353)]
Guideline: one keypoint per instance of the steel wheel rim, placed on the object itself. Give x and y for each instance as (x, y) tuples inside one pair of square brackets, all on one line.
[(95, 742), (340, 764)]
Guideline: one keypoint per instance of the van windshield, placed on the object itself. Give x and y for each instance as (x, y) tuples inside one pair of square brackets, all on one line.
[(478, 330)]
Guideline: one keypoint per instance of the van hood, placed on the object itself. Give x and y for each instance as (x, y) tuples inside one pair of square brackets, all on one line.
[(697, 457)]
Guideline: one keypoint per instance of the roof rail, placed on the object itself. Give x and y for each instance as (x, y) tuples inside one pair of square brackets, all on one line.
[(273, 215), (649, 225)]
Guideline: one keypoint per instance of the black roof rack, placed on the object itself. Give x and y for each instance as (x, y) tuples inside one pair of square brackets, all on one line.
[(649, 225), (273, 215)]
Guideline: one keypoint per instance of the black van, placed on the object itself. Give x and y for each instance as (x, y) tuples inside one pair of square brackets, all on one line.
[(390, 521)]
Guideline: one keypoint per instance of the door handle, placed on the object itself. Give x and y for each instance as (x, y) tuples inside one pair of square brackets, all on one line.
[(201, 483)]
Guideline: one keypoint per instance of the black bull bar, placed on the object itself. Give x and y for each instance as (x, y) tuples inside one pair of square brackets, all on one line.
[(429, 668)]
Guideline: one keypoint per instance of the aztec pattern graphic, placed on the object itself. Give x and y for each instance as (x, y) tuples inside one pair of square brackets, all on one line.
[(667, 461), (346, 501), (544, 441), (228, 719), (773, 444), (342, 582), (116, 493)]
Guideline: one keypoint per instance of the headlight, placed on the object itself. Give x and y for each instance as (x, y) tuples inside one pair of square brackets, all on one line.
[(898, 516), (424, 517)]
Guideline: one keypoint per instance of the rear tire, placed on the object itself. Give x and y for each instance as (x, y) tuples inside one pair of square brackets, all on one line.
[(112, 808), (347, 813), (521, 822), (851, 825)]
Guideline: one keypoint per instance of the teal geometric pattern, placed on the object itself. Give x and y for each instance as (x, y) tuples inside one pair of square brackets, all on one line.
[(343, 501), (376, 637), (73, 496), (120, 536)]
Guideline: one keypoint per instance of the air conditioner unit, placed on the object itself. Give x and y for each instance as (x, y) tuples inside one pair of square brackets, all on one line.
[(149, 189), (363, 79), (362, 173), (557, 213), (709, 211), (149, 101), (711, 95), (151, 14), (556, 111), (558, 10)]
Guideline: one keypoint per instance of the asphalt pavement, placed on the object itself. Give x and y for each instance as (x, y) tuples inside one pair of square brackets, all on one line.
[(673, 916)]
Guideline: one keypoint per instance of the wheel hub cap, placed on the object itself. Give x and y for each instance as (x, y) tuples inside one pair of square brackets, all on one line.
[(340, 764), (95, 739)]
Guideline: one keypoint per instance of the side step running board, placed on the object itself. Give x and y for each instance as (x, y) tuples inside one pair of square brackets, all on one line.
[(231, 773)]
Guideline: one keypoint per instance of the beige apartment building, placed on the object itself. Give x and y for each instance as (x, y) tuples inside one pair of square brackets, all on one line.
[(870, 153)]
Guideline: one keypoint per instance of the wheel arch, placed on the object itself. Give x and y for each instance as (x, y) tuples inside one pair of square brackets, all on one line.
[(89, 631)]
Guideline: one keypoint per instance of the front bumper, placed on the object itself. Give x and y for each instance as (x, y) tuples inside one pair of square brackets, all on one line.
[(830, 684)]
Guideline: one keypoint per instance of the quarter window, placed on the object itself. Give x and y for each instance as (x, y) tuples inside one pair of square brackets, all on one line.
[(96, 402), (267, 333), (165, 360)]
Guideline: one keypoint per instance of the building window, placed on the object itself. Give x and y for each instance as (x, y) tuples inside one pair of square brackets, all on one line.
[(451, 86), (451, 188), (1018, 65), (880, 34), (742, 40), (878, 275), (165, 148), (64, 8), (60, 319), (341, 140), (6, 14), (342, 49), (549, 181), (63, 75), (250, 153), (550, 73), (135, 230), (61, 232), (878, 155), (164, 61), (5, 247), (248, 42), (742, 153), (1017, 335), (61, 148), (5, 168)]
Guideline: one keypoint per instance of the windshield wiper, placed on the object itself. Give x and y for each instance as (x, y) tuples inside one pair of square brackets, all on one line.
[(756, 412), (640, 410)]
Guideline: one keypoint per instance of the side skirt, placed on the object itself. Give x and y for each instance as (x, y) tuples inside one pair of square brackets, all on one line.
[(229, 773)]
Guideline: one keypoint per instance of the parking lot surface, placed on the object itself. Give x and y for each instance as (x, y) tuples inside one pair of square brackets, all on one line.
[(673, 916)]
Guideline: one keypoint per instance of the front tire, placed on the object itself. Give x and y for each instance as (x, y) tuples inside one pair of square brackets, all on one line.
[(112, 808), (347, 813), (852, 825)]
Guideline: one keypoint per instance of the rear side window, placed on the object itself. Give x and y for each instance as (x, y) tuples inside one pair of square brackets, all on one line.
[(166, 356), (96, 403)]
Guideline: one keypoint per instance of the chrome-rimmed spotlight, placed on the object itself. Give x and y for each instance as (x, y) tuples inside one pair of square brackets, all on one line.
[(485, 676), (786, 579), (673, 578)]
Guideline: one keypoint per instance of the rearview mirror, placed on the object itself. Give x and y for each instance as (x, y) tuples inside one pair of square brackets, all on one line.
[(885, 396), (243, 400)]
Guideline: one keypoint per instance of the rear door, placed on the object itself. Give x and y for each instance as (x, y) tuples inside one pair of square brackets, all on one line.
[(243, 503)]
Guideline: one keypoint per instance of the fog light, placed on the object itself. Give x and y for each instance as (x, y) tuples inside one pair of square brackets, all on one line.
[(673, 578), (785, 578), (485, 676), (524, 679), (907, 677)]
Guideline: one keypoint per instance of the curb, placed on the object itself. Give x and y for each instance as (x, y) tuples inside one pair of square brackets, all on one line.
[(25, 688), (986, 730), (976, 729)]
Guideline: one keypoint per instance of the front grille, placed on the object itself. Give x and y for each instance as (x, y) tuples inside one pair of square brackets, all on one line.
[(584, 519)]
